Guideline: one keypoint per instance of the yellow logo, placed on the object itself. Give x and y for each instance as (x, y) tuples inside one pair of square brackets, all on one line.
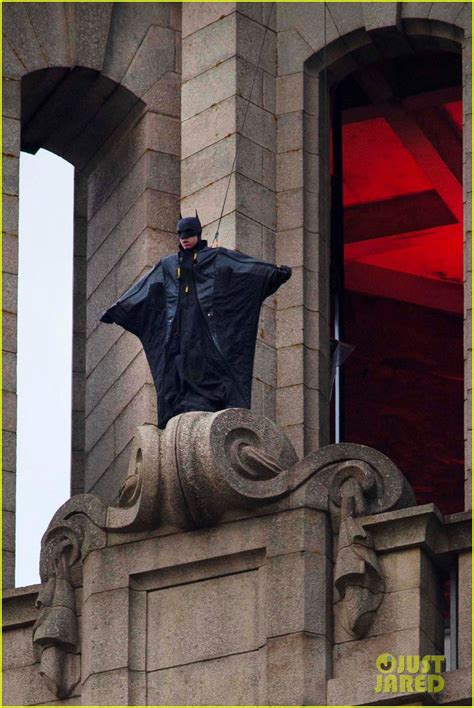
[(409, 673)]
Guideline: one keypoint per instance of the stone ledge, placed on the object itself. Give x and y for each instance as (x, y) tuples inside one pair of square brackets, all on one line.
[(19, 606), (420, 525)]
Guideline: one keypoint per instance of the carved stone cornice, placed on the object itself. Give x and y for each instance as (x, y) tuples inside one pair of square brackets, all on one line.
[(200, 467)]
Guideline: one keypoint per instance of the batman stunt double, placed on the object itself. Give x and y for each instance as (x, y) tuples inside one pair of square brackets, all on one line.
[(196, 313)]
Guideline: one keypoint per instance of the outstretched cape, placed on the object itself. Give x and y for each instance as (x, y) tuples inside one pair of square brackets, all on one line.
[(196, 314)]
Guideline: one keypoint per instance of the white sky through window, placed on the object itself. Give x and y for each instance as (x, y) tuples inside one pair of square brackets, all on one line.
[(44, 351)]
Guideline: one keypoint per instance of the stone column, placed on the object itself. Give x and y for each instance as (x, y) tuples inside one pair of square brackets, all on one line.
[(228, 48), (11, 155)]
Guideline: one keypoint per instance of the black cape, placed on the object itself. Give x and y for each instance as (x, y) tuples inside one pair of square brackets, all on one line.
[(196, 313)]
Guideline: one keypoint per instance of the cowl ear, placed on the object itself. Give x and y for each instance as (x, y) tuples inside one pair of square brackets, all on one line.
[(197, 217), (180, 215)]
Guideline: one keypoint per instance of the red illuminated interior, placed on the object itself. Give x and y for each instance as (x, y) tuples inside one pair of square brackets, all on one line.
[(403, 275)]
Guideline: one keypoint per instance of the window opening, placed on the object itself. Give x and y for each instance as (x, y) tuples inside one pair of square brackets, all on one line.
[(397, 268), (44, 367)]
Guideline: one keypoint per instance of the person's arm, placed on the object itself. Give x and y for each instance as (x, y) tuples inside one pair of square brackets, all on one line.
[(130, 310), (279, 276)]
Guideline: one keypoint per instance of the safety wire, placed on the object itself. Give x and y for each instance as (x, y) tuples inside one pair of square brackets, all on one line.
[(243, 123)]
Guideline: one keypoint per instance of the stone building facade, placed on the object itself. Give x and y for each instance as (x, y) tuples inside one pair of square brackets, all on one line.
[(234, 585)]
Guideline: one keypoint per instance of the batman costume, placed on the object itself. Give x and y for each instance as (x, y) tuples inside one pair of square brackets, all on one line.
[(196, 313)]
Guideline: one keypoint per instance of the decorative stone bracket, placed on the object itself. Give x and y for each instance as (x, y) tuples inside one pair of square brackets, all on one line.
[(200, 467)]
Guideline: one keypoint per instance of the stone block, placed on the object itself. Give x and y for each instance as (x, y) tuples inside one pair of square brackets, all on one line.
[(11, 98), (105, 633), (9, 292), (137, 630), (290, 366), (290, 131), (235, 680), (378, 16), (217, 160), (289, 247), (50, 26), (290, 93), (209, 201), (9, 451), (289, 327), (17, 649), (12, 67), (347, 18), (289, 174), (8, 531), (162, 211), (316, 370), (140, 410), (268, 401), (290, 210), (99, 458), (213, 86), (113, 403), (289, 405), (10, 253), (102, 298), (360, 655), (9, 332), (256, 44), (91, 27), (8, 490), (269, 169), (127, 30), (185, 622), (111, 367), (107, 687), (297, 667), (265, 364), (8, 571), (10, 174), (196, 17), (99, 343), (9, 372), (163, 134), (9, 411), (116, 244), (267, 324), (298, 594), (10, 214), (256, 124), (293, 51), (291, 293), (19, 32), (208, 127), (209, 46), (164, 96), (465, 610), (24, 686), (295, 434), (415, 10), (255, 201)]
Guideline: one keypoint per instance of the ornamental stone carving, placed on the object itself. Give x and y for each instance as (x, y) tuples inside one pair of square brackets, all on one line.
[(202, 467)]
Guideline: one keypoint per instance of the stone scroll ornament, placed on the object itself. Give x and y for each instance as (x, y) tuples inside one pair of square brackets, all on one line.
[(190, 475)]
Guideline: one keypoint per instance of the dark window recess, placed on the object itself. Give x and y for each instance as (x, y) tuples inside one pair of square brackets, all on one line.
[(398, 279)]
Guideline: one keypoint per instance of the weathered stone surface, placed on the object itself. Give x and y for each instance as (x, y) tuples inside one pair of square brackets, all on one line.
[(99, 343), (188, 620), (128, 28), (208, 127), (297, 666), (100, 458), (19, 32), (11, 98), (50, 26), (116, 399), (105, 632), (289, 405), (17, 648), (289, 327), (9, 372), (9, 451), (256, 44), (415, 10), (8, 490), (90, 28), (298, 594), (9, 411), (379, 15), (290, 210), (141, 409), (164, 96), (465, 610), (24, 686), (227, 680), (209, 46), (107, 687), (290, 365), (195, 17), (293, 51), (290, 131), (9, 292), (289, 93), (13, 68), (8, 526)]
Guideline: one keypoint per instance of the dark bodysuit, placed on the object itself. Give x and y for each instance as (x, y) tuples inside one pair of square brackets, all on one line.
[(196, 314)]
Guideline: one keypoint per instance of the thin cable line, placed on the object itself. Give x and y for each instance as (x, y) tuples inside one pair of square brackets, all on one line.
[(243, 123)]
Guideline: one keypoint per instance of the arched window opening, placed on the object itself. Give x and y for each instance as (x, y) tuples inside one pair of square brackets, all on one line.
[(44, 370), (397, 268)]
